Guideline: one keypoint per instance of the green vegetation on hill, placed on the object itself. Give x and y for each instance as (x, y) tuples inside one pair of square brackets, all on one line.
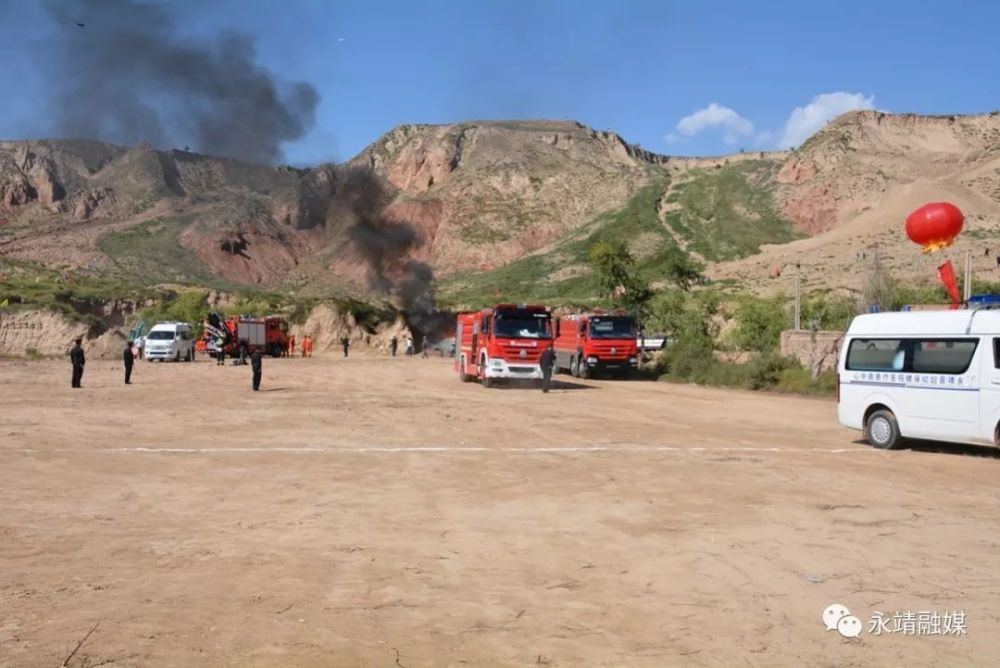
[(151, 253), (560, 272), (28, 284), (728, 212), (721, 214)]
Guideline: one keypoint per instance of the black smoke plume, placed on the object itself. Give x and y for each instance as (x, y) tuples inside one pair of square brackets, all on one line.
[(128, 75), (385, 245)]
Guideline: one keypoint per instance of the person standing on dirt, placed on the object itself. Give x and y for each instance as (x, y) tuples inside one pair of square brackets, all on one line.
[(139, 343), (78, 360), (547, 362), (291, 345), (346, 342), (393, 345), (256, 363), (220, 354), (409, 346), (129, 359)]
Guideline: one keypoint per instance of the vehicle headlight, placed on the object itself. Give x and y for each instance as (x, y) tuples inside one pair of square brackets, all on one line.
[(496, 364), (591, 360), (632, 360)]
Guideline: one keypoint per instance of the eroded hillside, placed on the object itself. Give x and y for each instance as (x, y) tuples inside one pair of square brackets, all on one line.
[(505, 207)]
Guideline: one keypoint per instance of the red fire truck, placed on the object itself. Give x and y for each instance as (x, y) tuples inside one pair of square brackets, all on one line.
[(502, 342), (599, 341), (268, 335)]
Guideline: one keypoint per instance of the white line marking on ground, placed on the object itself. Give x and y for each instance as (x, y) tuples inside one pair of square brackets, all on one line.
[(451, 449)]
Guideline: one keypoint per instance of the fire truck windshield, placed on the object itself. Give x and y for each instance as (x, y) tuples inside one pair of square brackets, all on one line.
[(521, 325), (612, 328)]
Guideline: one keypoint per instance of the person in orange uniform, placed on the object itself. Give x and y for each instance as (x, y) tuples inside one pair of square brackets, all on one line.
[(307, 346)]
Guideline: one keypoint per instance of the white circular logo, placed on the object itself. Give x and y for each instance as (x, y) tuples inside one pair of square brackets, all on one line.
[(833, 614)]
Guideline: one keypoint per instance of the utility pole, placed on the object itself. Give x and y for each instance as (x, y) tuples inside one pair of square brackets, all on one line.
[(968, 275), (797, 300)]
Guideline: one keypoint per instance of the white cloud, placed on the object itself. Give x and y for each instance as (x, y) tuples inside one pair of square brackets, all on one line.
[(805, 121), (764, 137), (801, 124), (733, 125)]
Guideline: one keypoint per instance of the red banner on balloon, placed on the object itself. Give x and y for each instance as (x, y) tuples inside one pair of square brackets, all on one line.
[(946, 274)]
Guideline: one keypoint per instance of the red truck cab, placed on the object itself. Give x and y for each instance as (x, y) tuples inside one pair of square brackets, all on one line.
[(597, 342), (503, 342)]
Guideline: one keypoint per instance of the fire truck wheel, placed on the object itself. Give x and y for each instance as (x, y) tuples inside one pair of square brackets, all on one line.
[(584, 372), (488, 382), (574, 367)]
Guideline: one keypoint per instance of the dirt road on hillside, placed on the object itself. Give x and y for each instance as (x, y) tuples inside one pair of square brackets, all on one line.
[(375, 511)]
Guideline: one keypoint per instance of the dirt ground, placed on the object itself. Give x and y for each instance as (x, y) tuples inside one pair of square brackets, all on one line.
[(375, 511)]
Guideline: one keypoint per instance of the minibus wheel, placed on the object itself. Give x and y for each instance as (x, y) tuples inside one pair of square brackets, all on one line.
[(882, 430)]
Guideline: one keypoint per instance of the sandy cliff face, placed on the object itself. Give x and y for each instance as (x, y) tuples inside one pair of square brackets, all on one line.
[(852, 185), (479, 195), (488, 193), (850, 166)]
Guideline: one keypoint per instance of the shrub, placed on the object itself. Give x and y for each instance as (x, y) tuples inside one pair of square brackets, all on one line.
[(797, 380), (765, 371), (759, 323), (829, 312), (190, 307)]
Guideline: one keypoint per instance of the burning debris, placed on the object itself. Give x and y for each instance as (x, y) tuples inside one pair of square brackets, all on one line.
[(132, 77)]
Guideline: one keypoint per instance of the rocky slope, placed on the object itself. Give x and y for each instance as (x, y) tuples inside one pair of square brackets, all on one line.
[(851, 186), (488, 199)]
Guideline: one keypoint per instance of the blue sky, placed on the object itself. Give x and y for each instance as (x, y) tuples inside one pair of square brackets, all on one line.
[(651, 71)]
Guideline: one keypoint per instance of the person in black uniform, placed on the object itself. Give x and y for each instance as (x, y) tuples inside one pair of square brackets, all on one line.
[(547, 361), (77, 359), (346, 342), (129, 359), (393, 345), (256, 361)]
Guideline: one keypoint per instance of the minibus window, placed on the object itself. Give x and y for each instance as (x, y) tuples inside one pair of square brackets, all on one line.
[(876, 355), (996, 353), (943, 355)]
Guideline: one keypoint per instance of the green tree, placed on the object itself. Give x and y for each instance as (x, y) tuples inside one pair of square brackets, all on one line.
[(616, 273), (691, 354), (828, 311), (189, 306), (666, 311), (759, 323), (683, 270)]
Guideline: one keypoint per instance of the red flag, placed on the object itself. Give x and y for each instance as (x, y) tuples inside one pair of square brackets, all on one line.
[(946, 274)]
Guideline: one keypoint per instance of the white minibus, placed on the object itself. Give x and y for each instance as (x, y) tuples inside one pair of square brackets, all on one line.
[(925, 375), (170, 341)]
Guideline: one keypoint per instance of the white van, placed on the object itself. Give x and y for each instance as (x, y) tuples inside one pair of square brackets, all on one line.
[(169, 341), (930, 375)]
